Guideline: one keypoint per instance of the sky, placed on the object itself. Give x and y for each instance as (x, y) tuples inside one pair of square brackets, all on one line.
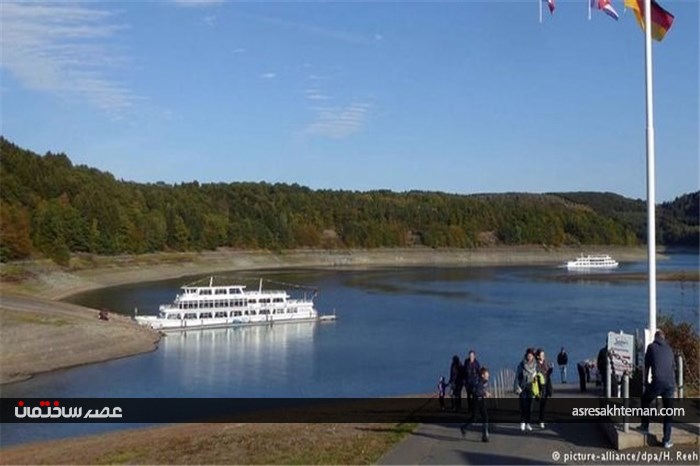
[(462, 97)]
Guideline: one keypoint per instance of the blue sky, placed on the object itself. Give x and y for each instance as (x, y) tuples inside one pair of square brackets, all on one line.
[(465, 97)]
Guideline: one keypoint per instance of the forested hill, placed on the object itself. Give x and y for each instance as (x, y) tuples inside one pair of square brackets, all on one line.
[(50, 207)]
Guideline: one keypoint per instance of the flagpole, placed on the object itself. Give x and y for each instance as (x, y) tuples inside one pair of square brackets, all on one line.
[(651, 187), (589, 9), (540, 2)]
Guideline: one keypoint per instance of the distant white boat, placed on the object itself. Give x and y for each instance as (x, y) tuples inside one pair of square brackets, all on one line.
[(592, 262), (210, 305)]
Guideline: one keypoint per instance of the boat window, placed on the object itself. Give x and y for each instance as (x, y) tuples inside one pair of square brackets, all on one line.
[(252, 301), (247, 312), (221, 314), (277, 300), (264, 312), (204, 291), (220, 291), (234, 291), (236, 313), (253, 313), (190, 315), (265, 301), (173, 316), (205, 315)]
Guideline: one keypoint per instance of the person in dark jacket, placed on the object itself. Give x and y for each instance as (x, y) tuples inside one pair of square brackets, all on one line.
[(524, 376), (472, 369), (441, 386), (455, 382), (562, 361), (546, 369), (481, 392), (602, 365), (659, 361), (581, 366)]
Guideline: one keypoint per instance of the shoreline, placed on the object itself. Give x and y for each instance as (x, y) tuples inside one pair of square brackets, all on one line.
[(46, 280), (33, 317)]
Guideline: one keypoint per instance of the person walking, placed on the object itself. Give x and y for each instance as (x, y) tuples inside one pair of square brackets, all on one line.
[(544, 377), (562, 361), (524, 376), (582, 377), (602, 367), (658, 360), (472, 371), (456, 381), (441, 388), (481, 392)]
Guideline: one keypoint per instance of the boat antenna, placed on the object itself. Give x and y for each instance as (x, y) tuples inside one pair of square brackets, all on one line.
[(211, 281), (260, 288)]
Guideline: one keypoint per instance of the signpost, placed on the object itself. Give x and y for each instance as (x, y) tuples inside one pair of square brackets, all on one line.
[(621, 353)]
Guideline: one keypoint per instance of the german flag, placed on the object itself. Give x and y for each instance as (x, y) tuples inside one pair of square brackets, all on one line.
[(661, 20)]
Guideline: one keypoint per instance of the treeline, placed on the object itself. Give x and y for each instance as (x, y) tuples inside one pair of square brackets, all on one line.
[(50, 207), (678, 221)]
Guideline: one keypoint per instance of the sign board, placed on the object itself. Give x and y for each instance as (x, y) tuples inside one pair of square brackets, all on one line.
[(621, 352)]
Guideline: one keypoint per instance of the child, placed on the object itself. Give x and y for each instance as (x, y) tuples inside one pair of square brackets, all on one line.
[(441, 386), (481, 392)]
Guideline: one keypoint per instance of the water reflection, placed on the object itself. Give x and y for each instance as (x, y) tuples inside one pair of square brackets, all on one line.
[(234, 360)]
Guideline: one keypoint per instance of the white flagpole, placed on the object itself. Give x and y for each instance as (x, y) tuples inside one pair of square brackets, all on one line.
[(540, 2), (589, 9), (651, 187)]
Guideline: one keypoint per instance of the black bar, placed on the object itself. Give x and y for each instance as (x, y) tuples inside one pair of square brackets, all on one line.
[(311, 410)]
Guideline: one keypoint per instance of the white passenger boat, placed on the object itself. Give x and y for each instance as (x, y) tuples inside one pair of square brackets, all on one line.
[(219, 305), (592, 262)]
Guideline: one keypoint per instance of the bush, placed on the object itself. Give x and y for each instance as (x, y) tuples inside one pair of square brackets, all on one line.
[(684, 339)]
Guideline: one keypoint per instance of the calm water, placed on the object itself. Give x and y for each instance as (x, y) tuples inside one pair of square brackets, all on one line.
[(396, 332)]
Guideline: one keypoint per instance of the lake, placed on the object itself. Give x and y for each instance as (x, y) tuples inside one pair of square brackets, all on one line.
[(396, 332)]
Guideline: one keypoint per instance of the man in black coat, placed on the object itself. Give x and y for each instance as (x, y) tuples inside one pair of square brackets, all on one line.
[(562, 361), (659, 360)]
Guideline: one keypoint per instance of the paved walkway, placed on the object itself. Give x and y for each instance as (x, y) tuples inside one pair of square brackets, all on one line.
[(444, 444), (583, 443)]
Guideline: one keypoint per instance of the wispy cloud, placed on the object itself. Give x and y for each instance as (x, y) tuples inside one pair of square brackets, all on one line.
[(239, 50), (268, 75), (210, 20), (197, 3), (316, 94), (61, 48), (339, 122)]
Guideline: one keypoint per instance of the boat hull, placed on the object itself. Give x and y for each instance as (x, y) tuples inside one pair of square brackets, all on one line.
[(572, 266), (175, 325)]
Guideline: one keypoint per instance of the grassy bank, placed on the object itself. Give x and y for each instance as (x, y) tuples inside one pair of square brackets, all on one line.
[(220, 444)]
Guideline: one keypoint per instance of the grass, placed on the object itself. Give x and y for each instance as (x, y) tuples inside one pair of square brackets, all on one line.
[(8, 317), (221, 444)]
